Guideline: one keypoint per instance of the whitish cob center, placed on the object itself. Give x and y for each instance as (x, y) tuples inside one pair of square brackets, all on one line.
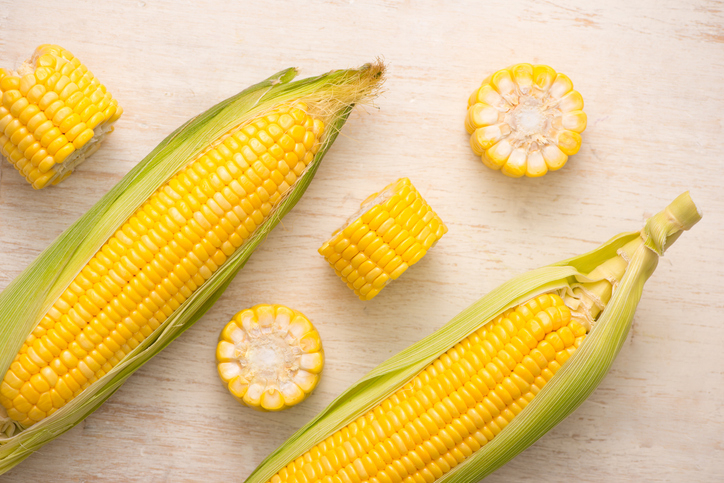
[(170, 246), (452, 408), (525, 120), (270, 357)]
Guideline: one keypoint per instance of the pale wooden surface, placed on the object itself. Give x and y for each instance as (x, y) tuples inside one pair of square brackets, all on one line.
[(651, 75)]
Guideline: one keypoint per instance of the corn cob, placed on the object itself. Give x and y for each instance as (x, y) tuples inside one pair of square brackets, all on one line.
[(54, 114), (172, 244), (153, 255), (463, 401), (270, 357), (525, 120), (393, 230)]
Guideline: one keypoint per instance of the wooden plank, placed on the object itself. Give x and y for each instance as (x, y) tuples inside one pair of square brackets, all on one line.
[(650, 73)]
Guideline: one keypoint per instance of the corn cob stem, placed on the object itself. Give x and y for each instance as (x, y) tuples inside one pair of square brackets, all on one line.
[(587, 300)]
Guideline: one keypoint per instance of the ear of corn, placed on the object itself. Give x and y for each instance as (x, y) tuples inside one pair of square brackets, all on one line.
[(54, 114), (462, 402), (118, 237)]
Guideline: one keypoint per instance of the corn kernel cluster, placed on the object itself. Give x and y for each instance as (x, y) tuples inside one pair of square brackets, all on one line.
[(452, 408), (525, 120), (54, 114), (378, 246), (270, 357), (171, 245)]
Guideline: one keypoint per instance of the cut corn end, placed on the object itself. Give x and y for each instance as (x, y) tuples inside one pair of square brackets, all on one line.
[(393, 230), (525, 120), (270, 357), (54, 114)]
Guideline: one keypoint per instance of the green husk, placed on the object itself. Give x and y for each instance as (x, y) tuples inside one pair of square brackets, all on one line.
[(331, 96), (571, 385)]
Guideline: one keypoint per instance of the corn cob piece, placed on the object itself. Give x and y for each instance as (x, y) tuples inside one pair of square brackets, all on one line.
[(156, 252), (393, 230), (491, 382), (158, 258), (270, 357), (54, 115), (525, 120)]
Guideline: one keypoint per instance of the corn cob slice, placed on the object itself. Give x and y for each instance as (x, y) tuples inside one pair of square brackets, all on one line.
[(525, 120), (462, 402), (392, 231), (270, 357), (54, 115), (452, 408), (159, 249)]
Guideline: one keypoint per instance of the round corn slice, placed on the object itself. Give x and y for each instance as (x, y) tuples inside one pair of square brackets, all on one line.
[(392, 230), (270, 357), (525, 120), (53, 115)]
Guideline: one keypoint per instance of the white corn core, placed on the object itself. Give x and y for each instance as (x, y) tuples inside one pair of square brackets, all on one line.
[(531, 123)]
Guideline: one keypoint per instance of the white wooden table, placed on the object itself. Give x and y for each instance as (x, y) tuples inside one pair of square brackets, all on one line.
[(651, 75)]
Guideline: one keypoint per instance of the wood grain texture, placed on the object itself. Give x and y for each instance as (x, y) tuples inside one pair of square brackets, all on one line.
[(651, 75)]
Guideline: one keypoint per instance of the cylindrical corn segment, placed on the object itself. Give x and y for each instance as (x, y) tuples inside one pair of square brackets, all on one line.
[(270, 357), (170, 246), (394, 230), (54, 114), (525, 120), (452, 408)]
